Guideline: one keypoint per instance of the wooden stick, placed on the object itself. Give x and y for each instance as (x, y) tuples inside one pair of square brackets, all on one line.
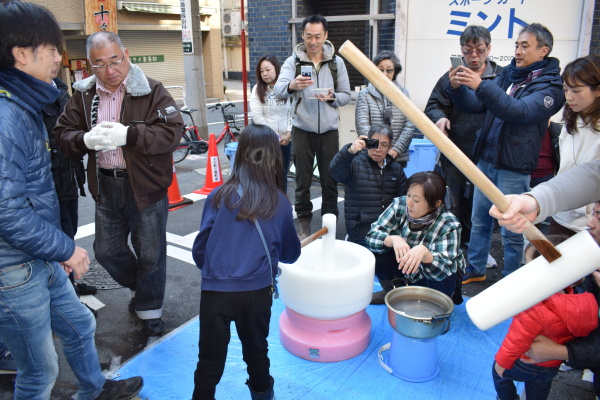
[(442, 142), (314, 237)]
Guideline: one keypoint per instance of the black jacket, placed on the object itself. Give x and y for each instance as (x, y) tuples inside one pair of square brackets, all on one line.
[(585, 352), (69, 175), (463, 125), (369, 189)]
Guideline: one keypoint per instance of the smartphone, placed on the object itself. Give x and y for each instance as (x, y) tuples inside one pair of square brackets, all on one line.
[(456, 62), (306, 70)]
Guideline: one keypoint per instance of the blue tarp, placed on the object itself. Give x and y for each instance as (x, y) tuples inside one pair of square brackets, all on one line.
[(465, 356)]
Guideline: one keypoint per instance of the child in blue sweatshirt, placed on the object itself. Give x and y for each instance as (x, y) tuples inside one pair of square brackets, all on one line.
[(237, 274)]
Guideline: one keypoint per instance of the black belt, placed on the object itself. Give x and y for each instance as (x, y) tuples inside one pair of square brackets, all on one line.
[(114, 173)]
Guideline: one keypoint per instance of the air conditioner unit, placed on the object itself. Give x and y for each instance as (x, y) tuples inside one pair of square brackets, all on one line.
[(232, 23)]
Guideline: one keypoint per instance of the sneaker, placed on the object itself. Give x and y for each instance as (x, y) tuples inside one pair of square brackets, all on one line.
[(471, 276), (8, 366), (491, 262), (304, 230), (84, 289), (154, 327), (124, 389)]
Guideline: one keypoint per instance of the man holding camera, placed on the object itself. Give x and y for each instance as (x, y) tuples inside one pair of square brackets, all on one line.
[(372, 178), (315, 118)]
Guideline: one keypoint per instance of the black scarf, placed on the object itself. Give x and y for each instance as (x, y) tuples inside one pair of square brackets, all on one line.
[(518, 75), (31, 90)]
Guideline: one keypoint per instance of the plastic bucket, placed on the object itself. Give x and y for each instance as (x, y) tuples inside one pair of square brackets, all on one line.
[(422, 153), (230, 150), (412, 360)]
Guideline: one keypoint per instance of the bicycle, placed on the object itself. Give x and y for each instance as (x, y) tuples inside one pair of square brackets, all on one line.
[(191, 140), (230, 131)]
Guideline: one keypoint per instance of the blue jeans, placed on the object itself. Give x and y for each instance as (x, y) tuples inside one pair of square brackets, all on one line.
[(482, 223), (144, 272), (37, 299), (538, 381)]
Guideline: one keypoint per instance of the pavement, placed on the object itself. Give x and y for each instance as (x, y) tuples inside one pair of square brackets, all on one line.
[(120, 335)]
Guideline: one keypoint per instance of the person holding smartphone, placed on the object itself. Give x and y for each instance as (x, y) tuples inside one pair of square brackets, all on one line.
[(315, 116), (459, 126), (517, 106)]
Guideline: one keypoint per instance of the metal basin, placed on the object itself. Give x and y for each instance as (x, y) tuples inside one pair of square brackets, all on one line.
[(418, 312)]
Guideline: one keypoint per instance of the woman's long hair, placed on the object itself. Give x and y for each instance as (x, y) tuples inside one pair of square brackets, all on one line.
[(261, 86), (258, 169), (584, 71)]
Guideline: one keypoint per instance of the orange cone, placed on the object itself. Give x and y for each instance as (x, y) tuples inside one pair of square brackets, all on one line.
[(214, 178), (176, 201)]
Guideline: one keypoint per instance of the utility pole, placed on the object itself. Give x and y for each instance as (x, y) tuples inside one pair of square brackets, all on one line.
[(193, 63)]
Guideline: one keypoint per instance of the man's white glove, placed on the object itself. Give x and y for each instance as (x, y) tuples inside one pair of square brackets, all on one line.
[(97, 140), (115, 131)]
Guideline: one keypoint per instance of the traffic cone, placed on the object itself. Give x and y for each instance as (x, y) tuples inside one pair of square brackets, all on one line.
[(176, 201), (214, 178)]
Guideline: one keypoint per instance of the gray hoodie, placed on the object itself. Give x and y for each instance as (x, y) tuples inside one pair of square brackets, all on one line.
[(310, 114)]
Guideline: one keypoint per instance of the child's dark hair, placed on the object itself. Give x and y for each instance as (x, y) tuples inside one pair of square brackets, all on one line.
[(584, 71), (258, 169)]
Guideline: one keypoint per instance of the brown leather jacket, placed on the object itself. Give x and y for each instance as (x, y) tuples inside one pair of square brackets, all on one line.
[(155, 128)]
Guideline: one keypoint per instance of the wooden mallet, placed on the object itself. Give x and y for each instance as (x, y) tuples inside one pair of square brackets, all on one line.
[(441, 141)]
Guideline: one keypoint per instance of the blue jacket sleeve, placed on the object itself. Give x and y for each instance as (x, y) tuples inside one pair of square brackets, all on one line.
[(209, 215), (465, 99), (290, 244), (529, 109)]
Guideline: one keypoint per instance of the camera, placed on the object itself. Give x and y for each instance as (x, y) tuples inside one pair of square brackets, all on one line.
[(371, 143)]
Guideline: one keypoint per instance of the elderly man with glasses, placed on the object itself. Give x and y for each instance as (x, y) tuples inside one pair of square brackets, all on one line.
[(517, 106), (129, 126), (459, 126)]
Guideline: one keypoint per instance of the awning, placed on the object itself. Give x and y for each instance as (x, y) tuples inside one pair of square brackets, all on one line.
[(158, 8)]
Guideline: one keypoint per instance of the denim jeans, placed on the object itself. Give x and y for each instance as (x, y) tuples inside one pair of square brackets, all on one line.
[(482, 223), (538, 381), (144, 272), (251, 312), (37, 299), (306, 146)]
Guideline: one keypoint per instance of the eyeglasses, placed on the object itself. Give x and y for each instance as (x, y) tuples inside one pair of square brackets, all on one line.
[(468, 51), (111, 65), (387, 71)]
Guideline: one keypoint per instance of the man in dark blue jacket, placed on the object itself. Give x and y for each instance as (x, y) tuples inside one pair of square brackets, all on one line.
[(36, 298), (373, 179), (518, 104), (460, 126)]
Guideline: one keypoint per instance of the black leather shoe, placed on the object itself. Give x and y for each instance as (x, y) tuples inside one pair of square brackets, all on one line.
[(124, 389), (84, 289), (154, 327)]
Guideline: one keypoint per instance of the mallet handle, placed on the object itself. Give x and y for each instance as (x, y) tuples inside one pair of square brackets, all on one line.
[(442, 142)]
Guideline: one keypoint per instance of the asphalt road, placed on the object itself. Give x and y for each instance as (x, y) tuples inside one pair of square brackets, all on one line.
[(119, 335)]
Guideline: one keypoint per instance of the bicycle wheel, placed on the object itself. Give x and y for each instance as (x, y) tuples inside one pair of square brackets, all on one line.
[(183, 149), (227, 139)]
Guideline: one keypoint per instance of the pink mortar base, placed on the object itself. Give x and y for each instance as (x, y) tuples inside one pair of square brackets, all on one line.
[(324, 340)]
